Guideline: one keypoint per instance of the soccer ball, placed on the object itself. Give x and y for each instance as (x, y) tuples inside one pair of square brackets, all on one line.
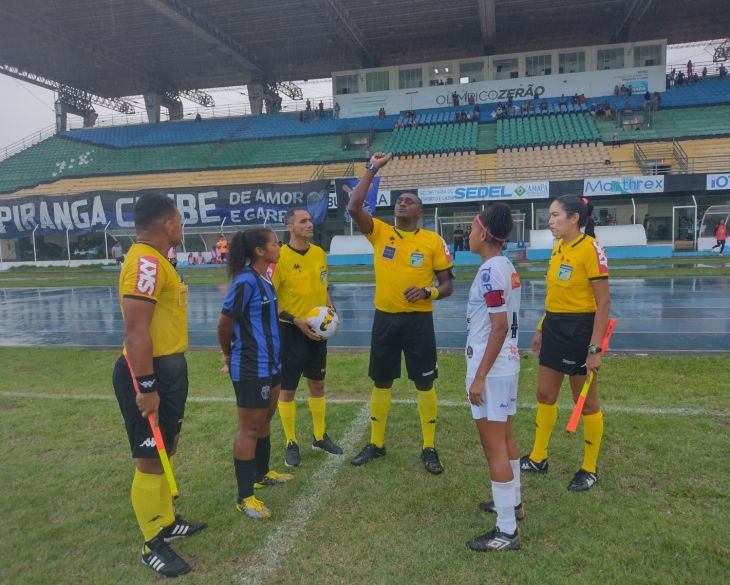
[(324, 321)]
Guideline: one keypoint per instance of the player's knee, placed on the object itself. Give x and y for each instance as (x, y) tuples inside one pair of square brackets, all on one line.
[(546, 396), (424, 386), (383, 384), (149, 466), (316, 388)]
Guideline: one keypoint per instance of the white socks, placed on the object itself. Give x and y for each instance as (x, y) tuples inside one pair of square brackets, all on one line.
[(504, 502), (515, 463)]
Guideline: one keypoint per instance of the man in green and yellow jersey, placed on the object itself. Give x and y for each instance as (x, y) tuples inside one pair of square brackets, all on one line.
[(406, 258), (153, 299), (300, 279)]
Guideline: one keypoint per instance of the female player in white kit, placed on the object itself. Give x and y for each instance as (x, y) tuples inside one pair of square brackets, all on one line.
[(493, 370)]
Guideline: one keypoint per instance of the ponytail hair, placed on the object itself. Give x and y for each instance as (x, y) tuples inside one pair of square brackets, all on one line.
[(590, 222), (496, 221), (242, 249), (573, 204)]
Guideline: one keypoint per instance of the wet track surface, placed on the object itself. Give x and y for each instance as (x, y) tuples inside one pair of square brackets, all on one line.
[(654, 315)]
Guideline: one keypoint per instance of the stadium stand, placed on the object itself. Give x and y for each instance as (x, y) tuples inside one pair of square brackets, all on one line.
[(226, 130), (450, 137), (554, 162), (438, 169), (546, 130)]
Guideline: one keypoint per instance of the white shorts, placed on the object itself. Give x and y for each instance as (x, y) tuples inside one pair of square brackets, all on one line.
[(500, 398)]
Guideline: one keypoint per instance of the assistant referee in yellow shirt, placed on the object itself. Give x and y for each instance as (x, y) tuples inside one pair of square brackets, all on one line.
[(300, 280), (405, 258)]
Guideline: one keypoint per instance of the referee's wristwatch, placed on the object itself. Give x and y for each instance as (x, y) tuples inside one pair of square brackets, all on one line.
[(372, 168), (594, 349), (428, 291)]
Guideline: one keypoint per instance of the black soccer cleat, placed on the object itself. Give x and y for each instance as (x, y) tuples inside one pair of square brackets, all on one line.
[(530, 466), (490, 507), (582, 481), (181, 528), (430, 458), (291, 455), (495, 540), (163, 559), (368, 453), (326, 444)]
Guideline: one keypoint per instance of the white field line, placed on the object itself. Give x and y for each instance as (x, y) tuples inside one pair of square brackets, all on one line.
[(648, 410), (300, 510)]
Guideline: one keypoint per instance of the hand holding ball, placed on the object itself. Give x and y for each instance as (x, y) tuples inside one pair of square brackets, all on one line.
[(324, 321)]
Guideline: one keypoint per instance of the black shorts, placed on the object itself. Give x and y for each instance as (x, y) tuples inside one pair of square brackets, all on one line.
[(172, 386), (255, 392), (410, 333), (565, 340), (300, 356)]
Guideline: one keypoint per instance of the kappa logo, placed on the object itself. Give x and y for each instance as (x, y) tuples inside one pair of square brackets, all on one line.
[(147, 267), (148, 442)]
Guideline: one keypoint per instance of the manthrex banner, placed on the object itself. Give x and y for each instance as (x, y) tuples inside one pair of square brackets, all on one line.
[(200, 207)]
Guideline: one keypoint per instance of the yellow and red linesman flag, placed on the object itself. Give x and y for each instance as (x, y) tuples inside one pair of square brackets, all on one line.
[(578, 409)]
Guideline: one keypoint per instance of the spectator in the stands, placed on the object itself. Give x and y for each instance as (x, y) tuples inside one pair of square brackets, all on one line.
[(475, 115), (616, 90), (458, 240), (191, 260), (302, 116), (563, 101), (647, 101), (470, 99), (198, 117), (455, 99), (690, 69), (607, 112), (723, 71), (704, 73), (656, 101), (543, 106), (680, 78), (309, 105), (336, 111), (321, 109), (615, 140), (199, 260), (381, 113), (695, 77)]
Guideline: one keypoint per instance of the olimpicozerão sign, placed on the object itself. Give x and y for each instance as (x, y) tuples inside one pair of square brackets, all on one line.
[(623, 185)]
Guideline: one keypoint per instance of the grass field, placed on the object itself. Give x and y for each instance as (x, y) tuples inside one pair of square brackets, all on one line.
[(95, 276), (659, 514)]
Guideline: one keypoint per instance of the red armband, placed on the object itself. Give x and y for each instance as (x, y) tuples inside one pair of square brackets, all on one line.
[(494, 298)]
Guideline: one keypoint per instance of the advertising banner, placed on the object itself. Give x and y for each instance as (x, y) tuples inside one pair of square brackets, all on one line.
[(718, 182), (200, 207), (623, 185), (492, 192)]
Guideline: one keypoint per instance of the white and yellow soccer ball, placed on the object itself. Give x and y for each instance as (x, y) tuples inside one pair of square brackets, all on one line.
[(324, 321)]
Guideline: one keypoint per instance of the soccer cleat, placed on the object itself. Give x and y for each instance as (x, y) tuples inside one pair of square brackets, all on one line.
[(530, 466), (163, 559), (582, 481), (253, 508), (326, 444), (181, 528), (272, 478), (495, 540), (430, 458), (291, 455), (368, 453), (489, 507)]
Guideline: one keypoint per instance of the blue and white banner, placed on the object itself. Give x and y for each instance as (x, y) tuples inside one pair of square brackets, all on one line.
[(623, 185), (718, 182), (200, 207), (375, 197), (491, 192)]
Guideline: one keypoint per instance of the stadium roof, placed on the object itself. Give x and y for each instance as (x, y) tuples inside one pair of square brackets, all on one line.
[(127, 47)]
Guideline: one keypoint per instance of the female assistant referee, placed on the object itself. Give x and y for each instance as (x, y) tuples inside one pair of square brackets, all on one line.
[(248, 333), (569, 334)]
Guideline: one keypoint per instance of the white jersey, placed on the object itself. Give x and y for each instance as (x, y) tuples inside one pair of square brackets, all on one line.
[(496, 289)]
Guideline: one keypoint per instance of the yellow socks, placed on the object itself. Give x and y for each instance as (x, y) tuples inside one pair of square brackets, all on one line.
[(288, 416), (317, 408), (379, 408), (592, 434), (146, 493), (427, 411), (166, 506), (545, 419)]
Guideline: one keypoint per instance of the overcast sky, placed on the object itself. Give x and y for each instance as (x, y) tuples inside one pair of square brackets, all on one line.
[(26, 109)]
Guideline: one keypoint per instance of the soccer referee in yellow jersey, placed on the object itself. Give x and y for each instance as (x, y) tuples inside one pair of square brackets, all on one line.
[(300, 280), (406, 258), (153, 298)]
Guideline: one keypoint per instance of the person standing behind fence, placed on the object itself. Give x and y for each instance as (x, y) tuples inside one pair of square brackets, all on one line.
[(223, 247), (720, 236), (458, 240)]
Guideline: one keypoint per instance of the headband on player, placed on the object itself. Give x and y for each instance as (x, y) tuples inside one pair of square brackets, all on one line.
[(490, 234)]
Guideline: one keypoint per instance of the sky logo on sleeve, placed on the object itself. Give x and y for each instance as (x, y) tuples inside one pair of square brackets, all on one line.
[(147, 267)]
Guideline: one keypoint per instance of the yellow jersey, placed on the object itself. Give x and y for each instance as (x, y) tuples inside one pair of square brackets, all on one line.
[(573, 266), (147, 275), (300, 280), (405, 259)]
